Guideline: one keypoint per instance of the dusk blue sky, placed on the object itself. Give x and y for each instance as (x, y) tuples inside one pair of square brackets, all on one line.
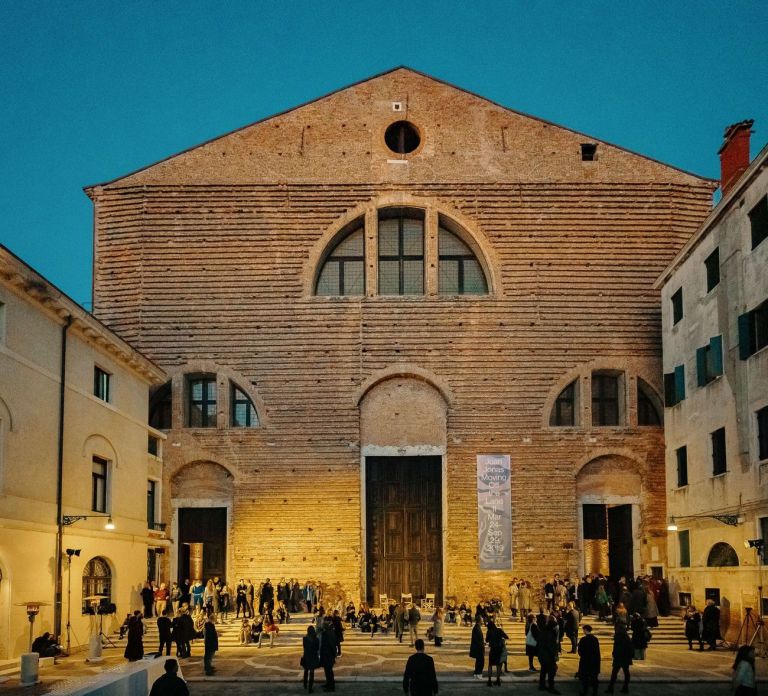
[(93, 90)]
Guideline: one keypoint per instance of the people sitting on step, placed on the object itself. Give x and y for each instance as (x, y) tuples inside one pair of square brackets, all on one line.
[(269, 631)]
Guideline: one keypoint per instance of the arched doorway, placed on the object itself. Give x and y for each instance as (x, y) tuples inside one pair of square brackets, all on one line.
[(608, 494), (201, 498), (403, 434)]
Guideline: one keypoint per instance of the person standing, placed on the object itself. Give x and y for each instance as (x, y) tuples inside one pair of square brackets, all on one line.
[(240, 600), (744, 672), (640, 636), (495, 638), (477, 648), (249, 595), (211, 642), (164, 626), (134, 648), (413, 623), (400, 620), (693, 628), (524, 593), (531, 640), (547, 652), (267, 598), (184, 633), (338, 629), (437, 626), (571, 625), (170, 684), (420, 678), (622, 654), (711, 624), (589, 661), (161, 599), (310, 659), (328, 654), (147, 599), (196, 592)]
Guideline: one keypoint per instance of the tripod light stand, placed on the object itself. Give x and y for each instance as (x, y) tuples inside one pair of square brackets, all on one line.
[(70, 553)]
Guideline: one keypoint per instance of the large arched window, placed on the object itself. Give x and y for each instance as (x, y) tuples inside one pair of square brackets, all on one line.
[(460, 272), (244, 413), (343, 272), (401, 251), (722, 554), (97, 585), (565, 411), (201, 401), (649, 407), (160, 408)]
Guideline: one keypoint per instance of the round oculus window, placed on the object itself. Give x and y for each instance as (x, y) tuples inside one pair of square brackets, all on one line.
[(402, 137)]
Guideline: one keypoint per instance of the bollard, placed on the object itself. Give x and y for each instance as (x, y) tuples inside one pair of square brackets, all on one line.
[(94, 649), (30, 669)]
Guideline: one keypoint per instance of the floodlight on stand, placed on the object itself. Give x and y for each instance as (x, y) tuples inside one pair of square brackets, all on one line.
[(72, 552), (110, 524), (758, 544)]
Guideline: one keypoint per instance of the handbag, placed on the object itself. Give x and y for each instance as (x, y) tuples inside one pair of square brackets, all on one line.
[(530, 640)]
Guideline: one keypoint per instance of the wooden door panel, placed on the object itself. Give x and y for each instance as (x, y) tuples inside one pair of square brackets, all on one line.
[(414, 531)]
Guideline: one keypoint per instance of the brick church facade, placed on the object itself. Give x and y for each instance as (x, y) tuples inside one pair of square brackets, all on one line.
[(357, 297)]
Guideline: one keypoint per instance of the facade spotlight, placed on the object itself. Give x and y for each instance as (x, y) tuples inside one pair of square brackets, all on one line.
[(110, 524), (758, 544), (73, 552), (671, 527)]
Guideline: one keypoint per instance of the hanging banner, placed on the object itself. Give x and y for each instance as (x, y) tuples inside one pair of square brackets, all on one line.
[(494, 511)]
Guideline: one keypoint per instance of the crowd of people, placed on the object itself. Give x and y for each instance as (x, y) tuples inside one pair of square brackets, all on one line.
[(554, 610)]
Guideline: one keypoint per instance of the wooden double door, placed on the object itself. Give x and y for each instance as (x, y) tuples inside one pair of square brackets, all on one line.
[(404, 545), (206, 528)]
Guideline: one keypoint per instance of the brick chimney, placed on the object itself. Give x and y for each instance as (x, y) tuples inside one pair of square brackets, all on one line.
[(734, 153)]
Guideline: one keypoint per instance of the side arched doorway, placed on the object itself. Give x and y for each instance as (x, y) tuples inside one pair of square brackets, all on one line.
[(403, 437), (608, 494), (201, 501)]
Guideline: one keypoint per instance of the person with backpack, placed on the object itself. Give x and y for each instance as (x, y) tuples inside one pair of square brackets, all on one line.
[(413, 623)]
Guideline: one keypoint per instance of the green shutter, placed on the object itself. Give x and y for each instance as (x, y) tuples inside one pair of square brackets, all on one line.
[(680, 382), (745, 335), (701, 366), (716, 351)]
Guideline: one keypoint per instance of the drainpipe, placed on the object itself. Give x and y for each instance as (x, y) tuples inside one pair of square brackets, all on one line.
[(60, 481)]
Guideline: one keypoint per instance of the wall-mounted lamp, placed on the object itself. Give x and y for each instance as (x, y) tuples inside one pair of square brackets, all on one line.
[(71, 519), (730, 520)]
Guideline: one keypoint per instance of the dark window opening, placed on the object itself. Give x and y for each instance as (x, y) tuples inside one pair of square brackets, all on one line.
[(151, 501), (343, 272), (712, 265), (758, 218), (684, 598), (677, 306), (97, 582), (201, 406), (564, 410), (712, 593), (153, 445), (401, 252), (674, 386), (160, 408), (402, 137), (709, 361), (719, 464), (762, 434), (605, 399), (753, 331), (721, 555), (101, 384), (588, 152), (648, 406), (459, 271), (684, 546), (243, 411), (99, 484), (682, 466)]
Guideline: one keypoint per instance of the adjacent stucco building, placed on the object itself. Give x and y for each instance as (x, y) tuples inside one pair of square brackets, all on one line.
[(71, 393), (357, 297), (715, 330)]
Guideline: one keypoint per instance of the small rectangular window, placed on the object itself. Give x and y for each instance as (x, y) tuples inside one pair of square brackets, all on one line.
[(153, 445), (682, 466), (712, 593), (712, 265), (758, 218), (719, 465), (764, 533), (588, 152), (201, 402), (674, 386), (684, 547), (762, 435), (151, 502), (99, 474), (753, 331), (606, 399), (709, 361), (101, 380), (677, 306)]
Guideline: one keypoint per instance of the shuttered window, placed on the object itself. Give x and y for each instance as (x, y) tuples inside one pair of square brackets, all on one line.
[(674, 386), (684, 547), (719, 463), (709, 361)]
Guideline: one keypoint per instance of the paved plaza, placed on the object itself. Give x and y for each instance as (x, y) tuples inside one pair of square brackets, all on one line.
[(374, 666)]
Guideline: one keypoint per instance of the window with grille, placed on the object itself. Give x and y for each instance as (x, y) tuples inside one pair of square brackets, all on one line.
[(343, 272), (99, 476), (401, 252), (459, 271), (243, 411), (201, 405), (648, 404), (565, 409), (97, 582), (606, 399)]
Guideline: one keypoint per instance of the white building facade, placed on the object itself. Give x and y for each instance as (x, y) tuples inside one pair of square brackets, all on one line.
[(715, 340), (74, 455)]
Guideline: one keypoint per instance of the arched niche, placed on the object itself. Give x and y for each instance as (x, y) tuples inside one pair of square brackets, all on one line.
[(609, 475), (202, 480)]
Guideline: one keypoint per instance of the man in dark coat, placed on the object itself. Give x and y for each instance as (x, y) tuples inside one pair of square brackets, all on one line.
[(711, 624), (622, 654), (241, 601), (183, 633), (477, 647), (170, 684), (589, 661), (148, 600), (547, 653), (328, 654), (419, 678), (134, 649), (164, 625), (267, 597), (211, 640)]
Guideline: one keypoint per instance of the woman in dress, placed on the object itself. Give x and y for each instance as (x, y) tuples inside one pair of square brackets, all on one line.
[(134, 649), (310, 659), (495, 638)]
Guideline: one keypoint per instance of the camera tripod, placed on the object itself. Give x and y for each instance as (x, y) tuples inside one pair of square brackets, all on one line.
[(755, 626)]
